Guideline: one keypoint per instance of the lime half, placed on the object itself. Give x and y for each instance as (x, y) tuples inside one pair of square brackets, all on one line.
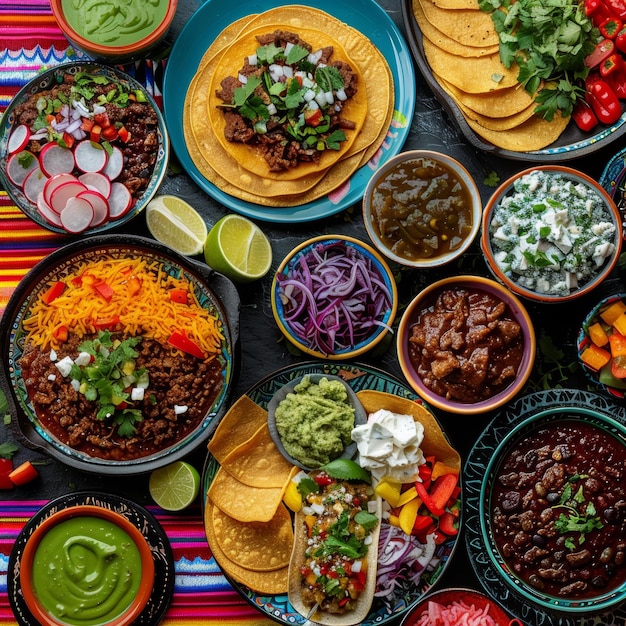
[(175, 486), (239, 249), (175, 223)]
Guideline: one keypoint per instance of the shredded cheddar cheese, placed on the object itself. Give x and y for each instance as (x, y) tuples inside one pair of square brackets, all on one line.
[(130, 295)]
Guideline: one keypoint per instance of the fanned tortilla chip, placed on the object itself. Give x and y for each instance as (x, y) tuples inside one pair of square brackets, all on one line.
[(435, 442), (272, 582)]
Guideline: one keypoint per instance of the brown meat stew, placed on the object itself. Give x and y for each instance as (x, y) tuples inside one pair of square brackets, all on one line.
[(176, 380), (558, 510), (466, 346)]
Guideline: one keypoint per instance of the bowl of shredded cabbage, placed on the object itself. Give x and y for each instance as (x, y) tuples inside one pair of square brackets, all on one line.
[(334, 297)]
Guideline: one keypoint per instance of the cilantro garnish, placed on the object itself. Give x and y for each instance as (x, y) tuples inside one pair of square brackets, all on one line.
[(579, 515), (549, 42), (341, 540), (107, 378)]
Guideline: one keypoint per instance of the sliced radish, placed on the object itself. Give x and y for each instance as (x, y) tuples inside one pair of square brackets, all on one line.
[(47, 213), (19, 139), (34, 184), (77, 215), (120, 200), (90, 157), (55, 159), (62, 194), (99, 204), (20, 165), (115, 164), (54, 182), (97, 181)]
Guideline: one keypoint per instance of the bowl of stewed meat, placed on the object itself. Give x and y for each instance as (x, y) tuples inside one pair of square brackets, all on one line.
[(553, 510), (422, 209), (83, 148), (551, 234), (466, 344), (118, 355)]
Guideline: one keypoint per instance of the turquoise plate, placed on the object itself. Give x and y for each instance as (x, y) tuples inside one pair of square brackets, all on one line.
[(359, 377), (215, 15)]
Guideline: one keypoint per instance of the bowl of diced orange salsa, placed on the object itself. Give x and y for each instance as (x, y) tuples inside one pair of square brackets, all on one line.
[(602, 344)]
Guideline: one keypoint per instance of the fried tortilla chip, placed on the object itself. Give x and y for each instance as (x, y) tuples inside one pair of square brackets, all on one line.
[(469, 27), (258, 462), (534, 134), (259, 546), (434, 443), (241, 421), (272, 582), (242, 502), (454, 5)]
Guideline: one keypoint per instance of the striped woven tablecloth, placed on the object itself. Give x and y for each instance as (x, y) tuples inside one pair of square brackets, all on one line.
[(30, 40)]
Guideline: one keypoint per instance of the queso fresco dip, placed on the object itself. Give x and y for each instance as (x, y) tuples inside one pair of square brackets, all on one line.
[(551, 234), (86, 571), (114, 22)]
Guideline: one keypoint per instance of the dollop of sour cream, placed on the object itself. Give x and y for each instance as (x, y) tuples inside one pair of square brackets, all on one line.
[(389, 445)]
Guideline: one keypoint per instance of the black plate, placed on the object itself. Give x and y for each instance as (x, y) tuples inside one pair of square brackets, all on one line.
[(137, 515), (216, 293), (572, 143)]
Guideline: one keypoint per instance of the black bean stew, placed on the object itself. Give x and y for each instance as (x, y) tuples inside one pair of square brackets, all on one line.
[(558, 510), (181, 392)]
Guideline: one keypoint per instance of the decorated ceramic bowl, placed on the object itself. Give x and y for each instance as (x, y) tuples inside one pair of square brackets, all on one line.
[(445, 318)]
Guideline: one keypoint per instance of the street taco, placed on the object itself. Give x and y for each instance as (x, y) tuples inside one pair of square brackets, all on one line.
[(235, 169)]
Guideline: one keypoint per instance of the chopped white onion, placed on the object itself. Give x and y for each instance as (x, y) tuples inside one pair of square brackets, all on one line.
[(178, 409), (341, 94), (242, 79), (253, 59)]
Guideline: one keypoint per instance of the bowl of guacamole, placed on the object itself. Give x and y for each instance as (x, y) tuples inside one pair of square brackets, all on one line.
[(311, 420)]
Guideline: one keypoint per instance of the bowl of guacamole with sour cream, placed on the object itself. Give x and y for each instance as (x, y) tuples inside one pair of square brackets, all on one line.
[(311, 420), (114, 30)]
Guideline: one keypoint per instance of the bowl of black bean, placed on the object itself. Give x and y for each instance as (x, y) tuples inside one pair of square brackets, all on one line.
[(553, 511)]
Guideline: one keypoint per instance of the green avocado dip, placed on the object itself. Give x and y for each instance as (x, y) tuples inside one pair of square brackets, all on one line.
[(315, 421), (114, 22), (86, 571)]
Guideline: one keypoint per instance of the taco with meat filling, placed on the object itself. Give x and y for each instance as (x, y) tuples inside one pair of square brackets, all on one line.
[(287, 106)]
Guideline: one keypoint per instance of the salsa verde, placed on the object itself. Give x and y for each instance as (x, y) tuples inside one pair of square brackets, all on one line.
[(86, 571), (114, 22)]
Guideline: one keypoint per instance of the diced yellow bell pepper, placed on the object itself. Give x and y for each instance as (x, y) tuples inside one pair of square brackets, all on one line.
[(389, 492), (440, 468), (598, 335), (407, 496), (407, 515), (394, 521), (613, 311), (292, 497)]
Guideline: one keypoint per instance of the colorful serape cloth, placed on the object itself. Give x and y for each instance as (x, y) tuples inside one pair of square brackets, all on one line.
[(29, 41)]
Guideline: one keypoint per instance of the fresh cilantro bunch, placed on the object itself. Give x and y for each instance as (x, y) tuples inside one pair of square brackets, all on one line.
[(579, 516), (107, 377), (549, 41)]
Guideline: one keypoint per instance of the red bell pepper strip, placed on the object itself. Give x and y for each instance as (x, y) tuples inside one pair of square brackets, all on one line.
[(23, 474), (425, 473), (422, 522), (427, 499), (610, 27), (180, 341), (53, 292), (604, 102), (603, 49), (107, 323), (584, 117), (448, 524), (443, 489), (105, 290)]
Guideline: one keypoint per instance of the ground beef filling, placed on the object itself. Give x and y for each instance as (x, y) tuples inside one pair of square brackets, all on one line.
[(175, 380), (467, 346)]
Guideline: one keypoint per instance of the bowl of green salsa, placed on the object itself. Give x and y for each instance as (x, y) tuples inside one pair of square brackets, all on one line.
[(114, 30), (86, 565)]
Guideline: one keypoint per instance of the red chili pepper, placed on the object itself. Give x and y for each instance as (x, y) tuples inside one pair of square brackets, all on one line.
[(620, 40), (602, 50), (584, 117), (53, 292), (604, 102), (180, 341), (447, 524), (616, 8), (23, 474), (610, 27), (178, 295)]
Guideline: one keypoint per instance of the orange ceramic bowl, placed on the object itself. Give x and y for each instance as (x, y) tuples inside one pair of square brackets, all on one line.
[(152, 29), (522, 238), (96, 540)]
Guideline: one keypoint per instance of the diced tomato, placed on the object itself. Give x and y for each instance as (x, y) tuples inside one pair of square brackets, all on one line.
[(87, 124), (109, 133), (23, 474), (313, 117), (107, 323), (61, 333), (178, 295), (105, 290), (102, 119), (95, 133), (323, 479), (124, 134), (53, 292)]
